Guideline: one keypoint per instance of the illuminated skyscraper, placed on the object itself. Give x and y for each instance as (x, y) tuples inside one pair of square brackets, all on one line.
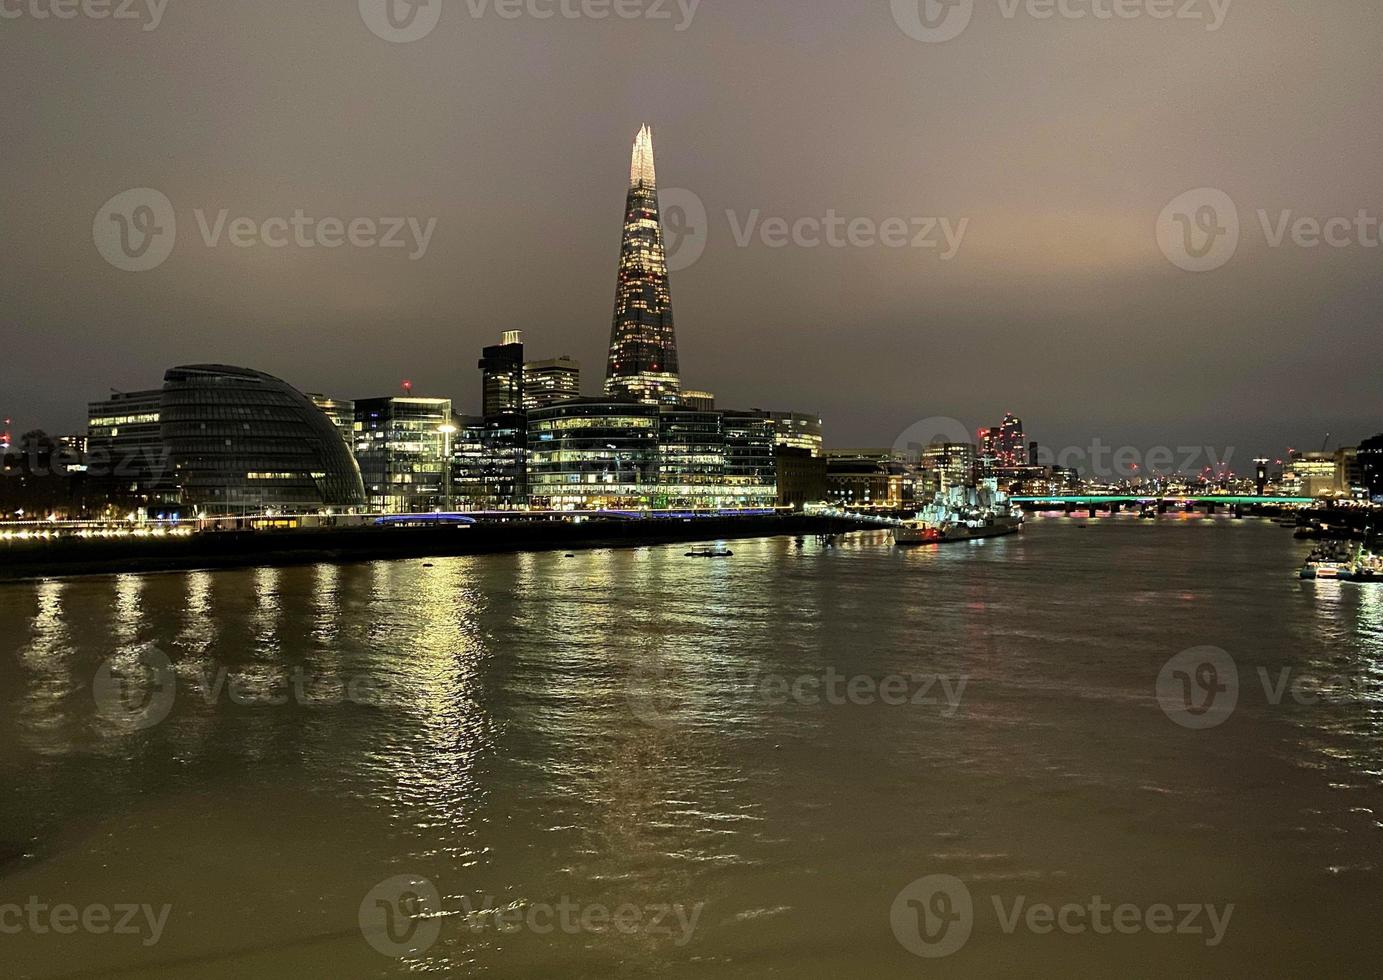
[(643, 345), (502, 375), (550, 382)]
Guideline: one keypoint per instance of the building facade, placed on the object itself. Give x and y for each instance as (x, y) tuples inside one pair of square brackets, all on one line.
[(403, 446), (592, 454), (1315, 475), (341, 413), (242, 442), (1371, 466), (953, 464), (798, 430), (125, 448), (502, 376), (550, 382)]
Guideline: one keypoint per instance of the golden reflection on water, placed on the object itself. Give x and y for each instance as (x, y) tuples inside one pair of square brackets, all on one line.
[(326, 600), (268, 614), (128, 611), (198, 628), (429, 648), (48, 654)]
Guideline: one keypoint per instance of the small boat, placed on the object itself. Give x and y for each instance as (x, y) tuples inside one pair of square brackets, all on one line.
[(710, 553), (1330, 561)]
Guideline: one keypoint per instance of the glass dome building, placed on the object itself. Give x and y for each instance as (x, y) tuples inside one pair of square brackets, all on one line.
[(242, 442)]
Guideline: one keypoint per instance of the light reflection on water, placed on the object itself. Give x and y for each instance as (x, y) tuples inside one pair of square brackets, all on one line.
[(588, 726)]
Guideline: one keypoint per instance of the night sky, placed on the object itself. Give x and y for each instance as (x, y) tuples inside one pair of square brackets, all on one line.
[(1059, 140)]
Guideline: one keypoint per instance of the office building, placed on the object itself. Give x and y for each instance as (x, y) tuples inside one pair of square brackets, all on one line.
[(241, 442), (1371, 466), (953, 464), (125, 448), (593, 454), (403, 446), (502, 376), (1316, 474), (341, 413), (798, 430), (699, 401), (550, 382)]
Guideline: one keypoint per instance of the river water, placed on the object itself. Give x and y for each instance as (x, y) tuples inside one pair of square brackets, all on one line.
[(973, 760)]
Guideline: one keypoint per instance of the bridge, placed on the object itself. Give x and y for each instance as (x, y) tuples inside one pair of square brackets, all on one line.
[(1116, 502)]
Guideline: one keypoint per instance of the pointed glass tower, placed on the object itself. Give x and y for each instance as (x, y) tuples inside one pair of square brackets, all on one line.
[(643, 344)]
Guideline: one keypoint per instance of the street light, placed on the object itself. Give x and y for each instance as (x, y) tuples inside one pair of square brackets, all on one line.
[(447, 430)]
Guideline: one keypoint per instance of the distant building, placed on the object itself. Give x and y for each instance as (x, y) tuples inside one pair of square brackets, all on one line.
[(801, 477), (241, 442), (700, 401), (1351, 479), (867, 482), (402, 446), (953, 464), (797, 430), (125, 448), (1316, 474), (502, 376), (1371, 466), (341, 413), (549, 382)]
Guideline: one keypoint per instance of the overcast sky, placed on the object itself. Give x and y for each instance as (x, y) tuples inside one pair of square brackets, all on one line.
[(1058, 142)]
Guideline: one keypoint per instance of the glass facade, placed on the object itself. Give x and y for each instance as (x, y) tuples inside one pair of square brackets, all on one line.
[(797, 430), (691, 458), (750, 463), (242, 442), (502, 376), (590, 454), (643, 343), (950, 464), (341, 413), (404, 446), (550, 382), (125, 445)]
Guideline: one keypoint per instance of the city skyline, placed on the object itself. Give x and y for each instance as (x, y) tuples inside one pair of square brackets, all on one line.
[(1064, 308)]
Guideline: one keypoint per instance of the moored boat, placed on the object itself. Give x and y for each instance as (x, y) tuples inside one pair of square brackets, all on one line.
[(962, 514)]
